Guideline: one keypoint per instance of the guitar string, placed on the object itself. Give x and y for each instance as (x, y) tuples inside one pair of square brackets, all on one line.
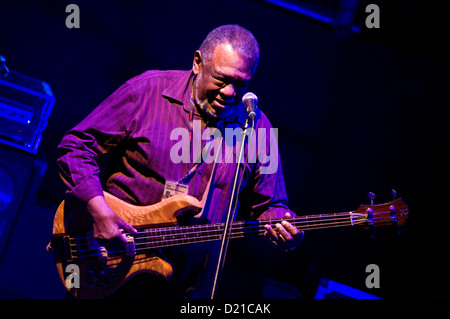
[(168, 243), (181, 236), (158, 243), (296, 221), (242, 226), (182, 231), (169, 231), (187, 230), (173, 238), (204, 239)]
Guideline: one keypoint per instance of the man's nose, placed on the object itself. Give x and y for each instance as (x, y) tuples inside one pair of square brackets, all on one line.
[(228, 91)]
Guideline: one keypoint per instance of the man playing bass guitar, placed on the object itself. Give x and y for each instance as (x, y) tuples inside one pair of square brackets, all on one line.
[(136, 126)]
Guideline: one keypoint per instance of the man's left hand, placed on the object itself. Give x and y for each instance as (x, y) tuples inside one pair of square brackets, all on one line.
[(284, 235)]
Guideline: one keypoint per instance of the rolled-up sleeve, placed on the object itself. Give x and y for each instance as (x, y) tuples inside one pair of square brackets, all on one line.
[(82, 148)]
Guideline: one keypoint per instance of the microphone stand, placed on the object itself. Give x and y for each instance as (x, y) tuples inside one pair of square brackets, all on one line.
[(231, 210)]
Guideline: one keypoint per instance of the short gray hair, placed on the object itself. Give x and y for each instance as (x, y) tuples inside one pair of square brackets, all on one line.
[(241, 40)]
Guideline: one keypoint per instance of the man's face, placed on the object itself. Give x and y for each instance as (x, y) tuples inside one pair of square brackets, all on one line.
[(222, 81)]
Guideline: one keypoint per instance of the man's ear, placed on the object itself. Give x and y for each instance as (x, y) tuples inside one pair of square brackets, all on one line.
[(197, 64)]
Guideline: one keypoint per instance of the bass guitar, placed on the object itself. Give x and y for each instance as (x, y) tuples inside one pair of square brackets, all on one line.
[(89, 271)]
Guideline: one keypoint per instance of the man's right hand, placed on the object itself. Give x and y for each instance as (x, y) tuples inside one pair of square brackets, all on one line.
[(107, 224)]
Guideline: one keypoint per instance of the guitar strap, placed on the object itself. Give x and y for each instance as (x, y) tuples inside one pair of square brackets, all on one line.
[(206, 199)]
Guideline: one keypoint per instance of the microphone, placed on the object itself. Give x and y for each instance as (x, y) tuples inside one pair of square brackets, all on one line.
[(250, 102)]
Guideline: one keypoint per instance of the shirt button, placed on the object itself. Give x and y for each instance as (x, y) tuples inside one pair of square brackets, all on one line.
[(200, 172)]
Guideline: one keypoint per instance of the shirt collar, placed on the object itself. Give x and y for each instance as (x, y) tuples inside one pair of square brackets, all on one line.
[(179, 91)]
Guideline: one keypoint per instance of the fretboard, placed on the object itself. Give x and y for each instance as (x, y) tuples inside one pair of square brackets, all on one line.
[(179, 235)]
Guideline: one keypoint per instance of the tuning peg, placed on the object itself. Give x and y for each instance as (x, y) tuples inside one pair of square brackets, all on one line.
[(394, 194), (370, 221), (371, 196)]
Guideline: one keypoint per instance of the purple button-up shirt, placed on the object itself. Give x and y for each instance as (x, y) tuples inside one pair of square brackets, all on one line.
[(135, 123)]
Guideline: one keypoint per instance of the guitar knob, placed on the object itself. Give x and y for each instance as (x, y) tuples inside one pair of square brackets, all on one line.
[(370, 221), (371, 196), (369, 214)]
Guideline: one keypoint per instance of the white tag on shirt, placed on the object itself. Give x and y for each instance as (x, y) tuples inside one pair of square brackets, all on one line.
[(173, 188)]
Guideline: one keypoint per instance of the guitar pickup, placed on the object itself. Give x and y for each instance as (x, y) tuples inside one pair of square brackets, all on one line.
[(130, 248), (102, 253)]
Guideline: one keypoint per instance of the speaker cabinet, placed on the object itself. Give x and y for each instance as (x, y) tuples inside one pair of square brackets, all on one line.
[(21, 174)]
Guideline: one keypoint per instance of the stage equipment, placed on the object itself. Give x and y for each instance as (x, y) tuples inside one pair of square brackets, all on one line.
[(330, 289), (25, 105), (20, 178), (250, 101)]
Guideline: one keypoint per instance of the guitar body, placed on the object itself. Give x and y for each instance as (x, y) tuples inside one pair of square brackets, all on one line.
[(100, 275)]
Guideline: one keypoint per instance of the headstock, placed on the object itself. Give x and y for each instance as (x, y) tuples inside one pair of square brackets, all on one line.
[(394, 213)]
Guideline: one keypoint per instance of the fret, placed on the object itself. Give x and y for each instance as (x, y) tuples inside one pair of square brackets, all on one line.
[(158, 234), (175, 236), (148, 232), (218, 232), (197, 230), (191, 235), (171, 235)]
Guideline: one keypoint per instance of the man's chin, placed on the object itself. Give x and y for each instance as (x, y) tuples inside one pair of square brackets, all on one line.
[(215, 112)]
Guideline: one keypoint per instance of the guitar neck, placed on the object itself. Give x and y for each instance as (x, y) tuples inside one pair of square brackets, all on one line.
[(179, 235)]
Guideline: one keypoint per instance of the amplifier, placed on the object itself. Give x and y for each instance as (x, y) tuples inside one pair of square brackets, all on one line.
[(25, 105)]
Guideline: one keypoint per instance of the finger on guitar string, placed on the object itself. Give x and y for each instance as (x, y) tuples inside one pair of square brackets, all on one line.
[(281, 228), (127, 227), (275, 236), (270, 232), (293, 235)]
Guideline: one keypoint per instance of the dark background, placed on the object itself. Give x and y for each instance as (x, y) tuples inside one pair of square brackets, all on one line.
[(357, 111)]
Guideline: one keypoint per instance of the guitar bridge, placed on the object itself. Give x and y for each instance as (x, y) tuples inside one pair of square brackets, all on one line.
[(67, 248)]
